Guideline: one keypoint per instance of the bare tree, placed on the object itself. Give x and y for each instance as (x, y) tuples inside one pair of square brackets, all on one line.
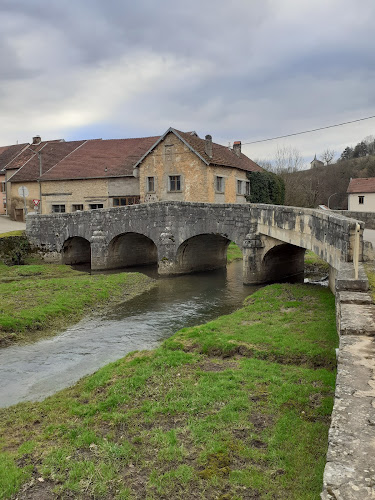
[(327, 156), (287, 160)]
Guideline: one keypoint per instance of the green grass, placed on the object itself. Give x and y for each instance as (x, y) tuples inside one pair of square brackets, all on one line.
[(370, 271), (11, 233), (44, 298), (238, 408), (314, 264), (233, 253)]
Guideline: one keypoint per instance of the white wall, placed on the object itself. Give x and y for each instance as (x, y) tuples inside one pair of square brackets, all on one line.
[(368, 202)]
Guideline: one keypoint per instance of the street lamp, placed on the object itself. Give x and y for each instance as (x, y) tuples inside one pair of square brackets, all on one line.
[(331, 197), (39, 155)]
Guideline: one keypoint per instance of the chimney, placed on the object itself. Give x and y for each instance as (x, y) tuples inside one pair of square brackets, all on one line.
[(208, 146), (237, 147), (37, 139)]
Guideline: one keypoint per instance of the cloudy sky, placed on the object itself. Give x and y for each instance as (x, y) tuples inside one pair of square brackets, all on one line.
[(239, 70)]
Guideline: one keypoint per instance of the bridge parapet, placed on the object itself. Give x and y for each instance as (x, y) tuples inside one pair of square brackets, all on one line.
[(184, 237)]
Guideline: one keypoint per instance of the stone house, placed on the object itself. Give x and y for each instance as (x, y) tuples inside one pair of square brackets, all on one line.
[(181, 166), (361, 195), (316, 163), (97, 174)]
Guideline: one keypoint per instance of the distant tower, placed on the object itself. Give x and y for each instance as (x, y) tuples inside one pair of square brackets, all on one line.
[(316, 163)]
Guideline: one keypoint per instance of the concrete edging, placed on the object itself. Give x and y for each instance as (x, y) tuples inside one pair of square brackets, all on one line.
[(350, 469)]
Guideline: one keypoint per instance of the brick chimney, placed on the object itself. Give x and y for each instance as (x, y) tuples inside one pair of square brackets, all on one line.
[(37, 139), (208, 146), (237, 147)]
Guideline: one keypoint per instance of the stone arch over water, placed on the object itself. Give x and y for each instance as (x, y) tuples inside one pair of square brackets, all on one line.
[(131, 249), (76, 250), (285, 261), (202, 253)]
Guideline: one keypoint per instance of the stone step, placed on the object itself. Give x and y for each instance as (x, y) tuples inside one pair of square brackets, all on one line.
[(354, 298), (357, 319)]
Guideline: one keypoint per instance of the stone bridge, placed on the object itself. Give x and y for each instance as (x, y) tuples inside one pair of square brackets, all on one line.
[(183, 237)]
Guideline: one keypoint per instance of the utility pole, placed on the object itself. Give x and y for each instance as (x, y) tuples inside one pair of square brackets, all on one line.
[(39, 155)]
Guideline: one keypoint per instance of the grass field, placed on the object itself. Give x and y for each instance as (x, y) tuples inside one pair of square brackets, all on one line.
[(238, 408), (39, 299)]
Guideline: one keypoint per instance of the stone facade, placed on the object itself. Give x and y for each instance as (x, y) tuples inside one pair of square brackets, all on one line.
[(16, 203), (172, 157)]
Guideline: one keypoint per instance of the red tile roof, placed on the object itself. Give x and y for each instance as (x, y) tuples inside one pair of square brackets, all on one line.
[(101, 158), (362, 185), (8, 153), (25, 155), (51, 154), (221, 155)]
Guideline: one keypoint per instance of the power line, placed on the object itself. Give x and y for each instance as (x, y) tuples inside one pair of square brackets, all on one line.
[(309, 131)]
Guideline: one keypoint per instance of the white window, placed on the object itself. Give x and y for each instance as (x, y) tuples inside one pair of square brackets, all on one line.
[(76, 208), (239, 187), (219, 184)]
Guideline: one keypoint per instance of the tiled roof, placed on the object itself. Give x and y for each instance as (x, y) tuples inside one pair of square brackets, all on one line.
[(8, 153), (26, 154), (102, 158), (362, 185), (51, 154), (221, 155)]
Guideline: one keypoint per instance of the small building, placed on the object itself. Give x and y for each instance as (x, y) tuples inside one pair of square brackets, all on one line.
[(23, 171), (361, 195), (97, 174), (316, 163), (181, 166)]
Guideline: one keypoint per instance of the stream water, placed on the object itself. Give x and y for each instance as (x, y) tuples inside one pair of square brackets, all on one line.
[(34, 371)]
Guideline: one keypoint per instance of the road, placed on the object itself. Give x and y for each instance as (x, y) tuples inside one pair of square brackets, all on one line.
[(7, 225)]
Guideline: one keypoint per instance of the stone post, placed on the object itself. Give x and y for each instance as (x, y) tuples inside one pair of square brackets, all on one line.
[(99, 251), (167, 253)]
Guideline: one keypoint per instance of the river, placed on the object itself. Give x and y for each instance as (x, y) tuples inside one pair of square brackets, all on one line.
[(34, 371)]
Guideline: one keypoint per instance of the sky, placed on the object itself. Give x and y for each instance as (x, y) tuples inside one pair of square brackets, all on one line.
[(239, 70)]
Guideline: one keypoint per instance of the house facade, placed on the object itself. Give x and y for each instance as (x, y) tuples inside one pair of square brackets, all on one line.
[(361, 195), (180, 166), (59, 176)]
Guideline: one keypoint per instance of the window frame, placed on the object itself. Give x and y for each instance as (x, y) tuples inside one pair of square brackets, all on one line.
[(91, 205), (240, 186), (219, 184), (59, 211), (361, 200), (75, 209), (148, 182), (177, 178)]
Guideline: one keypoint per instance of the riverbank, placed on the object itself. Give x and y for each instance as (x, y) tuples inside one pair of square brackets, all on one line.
[(39, 300), (233, 409)]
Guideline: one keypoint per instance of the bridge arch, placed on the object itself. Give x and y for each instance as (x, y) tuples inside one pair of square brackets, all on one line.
[(202, 252), (131, 249), (76, 250)]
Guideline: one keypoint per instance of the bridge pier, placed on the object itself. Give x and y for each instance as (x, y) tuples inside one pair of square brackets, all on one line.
[(267, 260)]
